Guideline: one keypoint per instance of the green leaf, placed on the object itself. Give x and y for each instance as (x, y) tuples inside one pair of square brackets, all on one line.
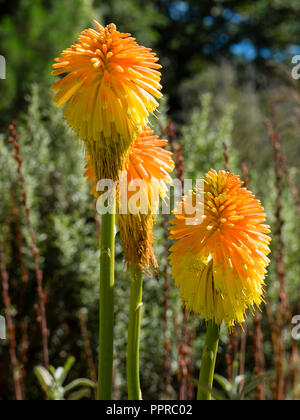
[(255, 382), (59, 374), (79, 382), (59, 394), (78, 395), (45, 378), (217, 395), (238, 380), (66, 369), (223, 382), (52, 370), (236, 383), (235, 370)]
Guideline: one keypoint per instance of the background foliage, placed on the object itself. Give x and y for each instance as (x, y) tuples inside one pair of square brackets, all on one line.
[(226, 66)]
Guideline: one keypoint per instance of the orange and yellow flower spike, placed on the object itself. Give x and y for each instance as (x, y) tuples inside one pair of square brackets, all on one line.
[(220, 264), (109, 90), (151, 163)]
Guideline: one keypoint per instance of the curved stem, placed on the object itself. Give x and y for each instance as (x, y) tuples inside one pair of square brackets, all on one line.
[(134, 327), (106, 329), (208, 363)]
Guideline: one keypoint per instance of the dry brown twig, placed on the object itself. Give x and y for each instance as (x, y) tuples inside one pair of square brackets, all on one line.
[(24, 348), (41, 307), (16, 368), (226, 157), (283, 315), (19, 243), (256, 335), (295, 358)]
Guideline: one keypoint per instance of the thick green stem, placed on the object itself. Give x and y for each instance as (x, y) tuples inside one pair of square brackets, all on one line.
[(106, 329), (134, 327), (208, 363)]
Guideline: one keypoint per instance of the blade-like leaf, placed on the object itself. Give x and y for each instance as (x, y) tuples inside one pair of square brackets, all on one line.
[(217, 395), (239, 379), (44, 377), (255, 382), (223, 382), (78, 395), (52, 370), (66, 369), (58, 374), (79, 382), (235, 369)]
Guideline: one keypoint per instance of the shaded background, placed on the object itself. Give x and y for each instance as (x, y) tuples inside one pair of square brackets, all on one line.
[(226, 69)]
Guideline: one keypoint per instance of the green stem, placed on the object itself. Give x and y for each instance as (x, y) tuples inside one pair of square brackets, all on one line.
[(106, 328), (134, 327), (208, 363)]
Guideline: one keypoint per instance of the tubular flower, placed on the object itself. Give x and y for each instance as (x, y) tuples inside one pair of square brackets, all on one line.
[(90, 177), (220, 264), (109, 90), (150, 164)]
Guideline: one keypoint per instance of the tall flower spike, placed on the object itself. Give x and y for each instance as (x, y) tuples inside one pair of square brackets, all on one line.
[(109, 91), (149, 162), (152, 164), (220, 264)]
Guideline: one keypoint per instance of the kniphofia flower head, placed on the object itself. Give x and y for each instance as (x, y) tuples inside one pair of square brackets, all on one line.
[(109, 90), (149, 163), (220, 264), (152, 164)]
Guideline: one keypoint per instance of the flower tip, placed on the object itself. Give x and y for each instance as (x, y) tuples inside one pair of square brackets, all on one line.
[(96, 23), (111, 27)]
